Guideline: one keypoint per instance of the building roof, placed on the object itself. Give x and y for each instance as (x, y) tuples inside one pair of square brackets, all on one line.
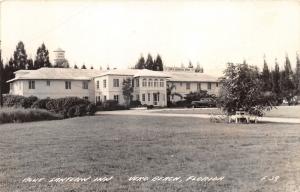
[(88, 74), (57, 74), (191, 77), (135, 73), (149, 73)]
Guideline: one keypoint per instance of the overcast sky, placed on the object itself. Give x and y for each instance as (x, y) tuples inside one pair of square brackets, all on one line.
[(116, 33)]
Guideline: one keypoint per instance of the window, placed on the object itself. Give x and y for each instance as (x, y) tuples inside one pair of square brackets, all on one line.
[(188, 85), (85, 85), (97, 84), (155, 83), (137, 97), (143, 97), (31, 84), (68, 84), (116, 82), (198, 86), (104, 83), (97, 99), (48, 83), (209, 85), (137, 81), (150, 83), (217, 84), (161, 84), (116, 98), (104, 98), (149, 97), (144, 83)]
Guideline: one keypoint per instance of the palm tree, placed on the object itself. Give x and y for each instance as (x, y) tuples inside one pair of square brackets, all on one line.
[(170, 88)]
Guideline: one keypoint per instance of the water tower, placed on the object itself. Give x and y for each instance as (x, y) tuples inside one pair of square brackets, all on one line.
[(59, 58)]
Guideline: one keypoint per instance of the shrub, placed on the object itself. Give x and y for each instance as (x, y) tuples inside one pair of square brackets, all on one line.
[(62, 105), (110, 105), (135, 103), (28, 101), (13, 100), (40, 104), (11, 115), (80, 110), (71, 112), (91, 109), (150, 106)]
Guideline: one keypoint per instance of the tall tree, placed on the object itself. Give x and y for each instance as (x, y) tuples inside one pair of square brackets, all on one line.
[(141, 63), (42, 57), (242, 89), (266, 77), (1, 79), (149, 62), (83, 66), (75, 66), (127, 90), (287, 83), (158, 64), (30, 65), (20, 56), (276, 83), (297, 74)]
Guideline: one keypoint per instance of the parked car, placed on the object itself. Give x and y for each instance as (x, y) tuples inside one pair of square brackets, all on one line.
[(204, 102)]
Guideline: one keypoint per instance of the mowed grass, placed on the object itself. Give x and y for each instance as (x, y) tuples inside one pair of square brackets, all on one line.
[(123, 146), (280, 111)]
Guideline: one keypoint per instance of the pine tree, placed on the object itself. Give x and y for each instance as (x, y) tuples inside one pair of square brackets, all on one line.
[(297, 74), (20, 56), (30, 64), (83, 66), (75, 66), (266, 77), (42, 57), (158, 64), (287, 83), (141, 63), (276, 83), (1, 79), (190, 65), (149, 62)]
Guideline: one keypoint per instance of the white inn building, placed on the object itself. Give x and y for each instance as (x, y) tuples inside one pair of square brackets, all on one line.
[(149, 87)]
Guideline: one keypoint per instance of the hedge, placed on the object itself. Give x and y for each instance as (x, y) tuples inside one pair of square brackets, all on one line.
[(12, 115)]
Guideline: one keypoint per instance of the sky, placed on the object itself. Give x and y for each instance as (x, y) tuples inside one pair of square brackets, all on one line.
[(117, 33)]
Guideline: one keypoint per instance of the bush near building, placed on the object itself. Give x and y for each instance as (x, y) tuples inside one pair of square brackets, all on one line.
[(18, 101), (110, 105), (66, 107), (19, 115)]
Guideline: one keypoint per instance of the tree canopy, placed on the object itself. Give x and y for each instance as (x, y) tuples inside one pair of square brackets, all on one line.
[(242, 90)]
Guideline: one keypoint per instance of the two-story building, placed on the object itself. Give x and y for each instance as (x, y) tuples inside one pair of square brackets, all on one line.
[(149, 87)]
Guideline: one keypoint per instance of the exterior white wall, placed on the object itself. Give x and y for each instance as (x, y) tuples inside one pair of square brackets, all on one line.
[(55, 90), (150, 91), (181, 88), (110, 91)]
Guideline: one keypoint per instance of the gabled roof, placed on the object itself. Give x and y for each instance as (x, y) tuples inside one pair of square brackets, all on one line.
[(57, 74), (191, 77)]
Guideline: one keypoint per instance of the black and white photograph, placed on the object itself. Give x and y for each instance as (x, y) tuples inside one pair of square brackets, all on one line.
[(149, 96)]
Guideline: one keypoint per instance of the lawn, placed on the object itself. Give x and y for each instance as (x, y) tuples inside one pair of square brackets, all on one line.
[(281, 111), (125, 146)]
